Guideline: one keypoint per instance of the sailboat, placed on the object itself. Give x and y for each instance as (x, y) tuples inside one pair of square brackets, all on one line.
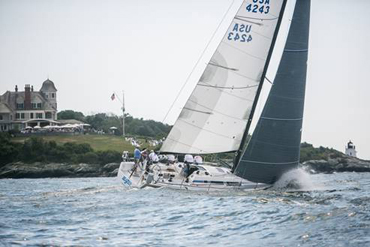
[(217, 116)]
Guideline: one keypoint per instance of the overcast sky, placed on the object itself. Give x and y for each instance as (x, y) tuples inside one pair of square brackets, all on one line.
[(91, 49)]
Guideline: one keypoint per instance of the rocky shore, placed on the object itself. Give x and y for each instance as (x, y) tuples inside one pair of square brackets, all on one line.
[(57, 170), (342, 164), (60, 170)]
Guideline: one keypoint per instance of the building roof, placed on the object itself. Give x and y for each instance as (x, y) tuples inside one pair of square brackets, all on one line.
[(48, 86), (70, 121), (10, 99), (4, 108)]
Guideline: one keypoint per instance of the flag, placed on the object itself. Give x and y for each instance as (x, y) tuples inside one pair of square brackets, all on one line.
[(113, 96)]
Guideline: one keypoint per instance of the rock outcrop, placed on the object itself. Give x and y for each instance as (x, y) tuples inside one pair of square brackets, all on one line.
[(57, 170), (342, 164)]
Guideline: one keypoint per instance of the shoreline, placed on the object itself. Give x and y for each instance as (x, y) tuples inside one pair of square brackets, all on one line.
[(19, 170)]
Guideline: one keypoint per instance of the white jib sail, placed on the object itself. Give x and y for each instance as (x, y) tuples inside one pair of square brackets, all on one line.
[(214, 118)]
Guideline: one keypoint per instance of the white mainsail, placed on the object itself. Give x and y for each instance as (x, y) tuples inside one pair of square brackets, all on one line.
[(214, 118)]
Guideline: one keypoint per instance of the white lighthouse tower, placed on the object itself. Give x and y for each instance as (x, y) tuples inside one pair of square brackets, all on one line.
[(351, 149)]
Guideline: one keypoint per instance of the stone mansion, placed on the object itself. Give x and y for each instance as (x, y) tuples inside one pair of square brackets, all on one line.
[(20, 109)]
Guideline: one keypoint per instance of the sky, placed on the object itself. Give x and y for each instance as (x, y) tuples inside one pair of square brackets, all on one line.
[(92, 48)]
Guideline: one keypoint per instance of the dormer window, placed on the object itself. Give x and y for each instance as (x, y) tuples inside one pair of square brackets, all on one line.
[(52, 95), (36, 105), (20, 106)]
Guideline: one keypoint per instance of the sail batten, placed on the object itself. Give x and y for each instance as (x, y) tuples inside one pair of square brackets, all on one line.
[(238, 62)]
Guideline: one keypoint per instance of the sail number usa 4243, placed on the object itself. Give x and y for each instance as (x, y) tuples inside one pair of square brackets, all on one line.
[(240, 32), (259, 6)]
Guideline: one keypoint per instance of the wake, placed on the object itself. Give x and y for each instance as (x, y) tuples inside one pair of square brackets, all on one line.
[(297, 179)]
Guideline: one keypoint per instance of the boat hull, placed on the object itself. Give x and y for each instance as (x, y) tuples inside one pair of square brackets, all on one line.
[(203, 178)]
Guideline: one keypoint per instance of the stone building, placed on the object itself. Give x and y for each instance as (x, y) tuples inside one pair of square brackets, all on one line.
[(20, 109)]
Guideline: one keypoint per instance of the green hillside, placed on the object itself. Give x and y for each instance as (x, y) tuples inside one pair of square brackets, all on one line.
[(97, 142)]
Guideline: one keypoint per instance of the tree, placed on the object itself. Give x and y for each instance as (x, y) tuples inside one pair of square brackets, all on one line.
[(69, 114)]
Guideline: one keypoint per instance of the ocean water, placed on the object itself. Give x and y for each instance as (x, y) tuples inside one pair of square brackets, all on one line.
[(331, 210)]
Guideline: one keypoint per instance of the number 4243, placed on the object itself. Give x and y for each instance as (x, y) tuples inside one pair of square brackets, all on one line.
[(255, 8)]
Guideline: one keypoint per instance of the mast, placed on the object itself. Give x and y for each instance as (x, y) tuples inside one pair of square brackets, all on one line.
[(275, 144), (249, 122)]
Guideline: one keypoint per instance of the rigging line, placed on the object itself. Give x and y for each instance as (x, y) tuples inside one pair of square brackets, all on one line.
[(282, 119), (204, 112), (271, 163), (214, 86), (222, 67), (218, 112), (212, 132), (272, 144), (284, 97), (222, 91), (241, 19), (267, 79), (196, 64), (301, 50), (226, 43), (253, 18)]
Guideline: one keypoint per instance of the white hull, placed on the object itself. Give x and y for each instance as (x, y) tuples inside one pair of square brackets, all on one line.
[(203, 178)]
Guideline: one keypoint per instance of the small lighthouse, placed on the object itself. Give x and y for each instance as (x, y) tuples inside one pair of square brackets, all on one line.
[(351, 149)]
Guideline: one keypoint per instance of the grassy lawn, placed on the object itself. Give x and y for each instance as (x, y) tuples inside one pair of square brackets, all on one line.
[(97, 142)]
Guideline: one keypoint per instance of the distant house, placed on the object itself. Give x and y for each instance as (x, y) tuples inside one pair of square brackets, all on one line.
[(20, 109)]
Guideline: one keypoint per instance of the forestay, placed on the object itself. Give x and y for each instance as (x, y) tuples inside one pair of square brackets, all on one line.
[(214, 118)]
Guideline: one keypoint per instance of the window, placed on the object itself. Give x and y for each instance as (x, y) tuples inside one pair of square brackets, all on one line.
[(17, 116), (1, 117), (52, 95), (31, 115), (48, 115), (39, 105), (39, 115), (33, 105), (22, 115), (20, 106)]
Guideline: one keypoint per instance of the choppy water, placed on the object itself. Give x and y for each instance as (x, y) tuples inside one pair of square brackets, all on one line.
[(98, 211)]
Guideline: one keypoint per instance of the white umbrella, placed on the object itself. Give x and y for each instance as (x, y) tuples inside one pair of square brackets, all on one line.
[(113, 128), (37, 127), (28, 128)]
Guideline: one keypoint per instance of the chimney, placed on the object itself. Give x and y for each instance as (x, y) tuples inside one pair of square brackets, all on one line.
[(16, 88), (27, 97), (31, 88)]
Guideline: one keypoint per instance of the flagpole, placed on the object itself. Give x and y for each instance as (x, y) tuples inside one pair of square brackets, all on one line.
[(114, 95), (123, 113)]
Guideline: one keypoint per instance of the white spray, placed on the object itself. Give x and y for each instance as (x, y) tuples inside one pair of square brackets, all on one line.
[(297, 179)]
